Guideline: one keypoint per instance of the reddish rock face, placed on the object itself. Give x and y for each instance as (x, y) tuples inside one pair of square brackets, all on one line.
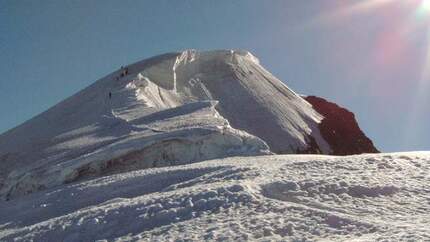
[(340, 129)]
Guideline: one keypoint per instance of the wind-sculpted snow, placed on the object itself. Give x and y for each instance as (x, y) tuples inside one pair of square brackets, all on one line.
[(170, 137), (383, 197), (167, 110)]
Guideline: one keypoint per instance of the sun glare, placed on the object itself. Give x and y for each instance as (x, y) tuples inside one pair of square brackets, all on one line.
[(408, 22), (425, 5), (424, 8)]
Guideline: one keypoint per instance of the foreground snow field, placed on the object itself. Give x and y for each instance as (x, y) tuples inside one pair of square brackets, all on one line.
[(274, 197)]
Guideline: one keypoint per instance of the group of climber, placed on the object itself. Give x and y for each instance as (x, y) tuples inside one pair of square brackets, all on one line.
[(124, 72)]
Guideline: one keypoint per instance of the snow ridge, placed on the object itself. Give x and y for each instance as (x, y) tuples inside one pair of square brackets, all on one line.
[(106, 121)]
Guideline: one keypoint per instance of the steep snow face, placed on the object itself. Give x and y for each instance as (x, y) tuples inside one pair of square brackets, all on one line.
[(382, 197), (249, 97), (205, 104)]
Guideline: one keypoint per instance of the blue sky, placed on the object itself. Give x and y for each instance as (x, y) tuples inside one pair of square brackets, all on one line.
[(369, 59)]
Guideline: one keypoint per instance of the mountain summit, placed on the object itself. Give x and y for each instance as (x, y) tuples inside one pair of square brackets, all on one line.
[(171, 109)]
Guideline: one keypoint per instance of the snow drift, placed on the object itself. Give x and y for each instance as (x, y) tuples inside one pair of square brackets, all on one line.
[(375, 197)]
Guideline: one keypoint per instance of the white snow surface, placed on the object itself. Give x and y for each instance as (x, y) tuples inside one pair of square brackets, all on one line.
[(171, 109), (378, 197)]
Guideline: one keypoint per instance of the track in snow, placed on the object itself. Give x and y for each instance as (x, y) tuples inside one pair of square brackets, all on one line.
[(292, 197)]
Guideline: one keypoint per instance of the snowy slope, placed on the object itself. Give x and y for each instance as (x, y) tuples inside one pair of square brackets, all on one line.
[(171, 109), (382, 197), (192, 132)]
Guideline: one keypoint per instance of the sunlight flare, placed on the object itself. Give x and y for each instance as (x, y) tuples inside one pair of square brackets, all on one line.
[(423, 9), (351, 9), (425, 5)]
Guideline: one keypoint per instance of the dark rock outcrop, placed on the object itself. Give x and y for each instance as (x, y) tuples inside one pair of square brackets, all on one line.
[(340, 129)]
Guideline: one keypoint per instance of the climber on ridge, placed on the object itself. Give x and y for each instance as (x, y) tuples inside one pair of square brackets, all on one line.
[(124, 71)]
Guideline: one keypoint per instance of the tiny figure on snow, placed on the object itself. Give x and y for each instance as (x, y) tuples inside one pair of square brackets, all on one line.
[(122, 71), (110, 95)]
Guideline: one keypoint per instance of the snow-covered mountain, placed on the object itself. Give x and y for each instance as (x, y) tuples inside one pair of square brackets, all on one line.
[(171, 109), (119, 153)]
